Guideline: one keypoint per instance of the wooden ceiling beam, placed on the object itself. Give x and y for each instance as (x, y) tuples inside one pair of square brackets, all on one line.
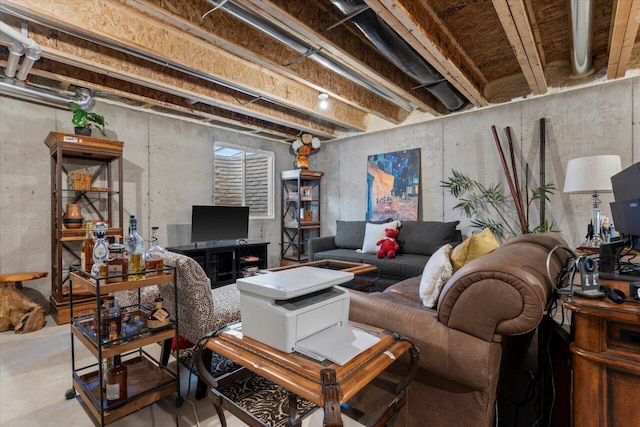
[(222, 30), (515, 22), (308, 20), (148, 98), (70, 50), (624, 28), (419, 25), (121, 26)]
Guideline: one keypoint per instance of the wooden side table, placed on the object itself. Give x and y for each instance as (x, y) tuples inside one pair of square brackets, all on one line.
[(606, 360), (326, 385)]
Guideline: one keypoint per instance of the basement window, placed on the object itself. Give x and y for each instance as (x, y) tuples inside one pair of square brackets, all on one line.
[(243, 176)]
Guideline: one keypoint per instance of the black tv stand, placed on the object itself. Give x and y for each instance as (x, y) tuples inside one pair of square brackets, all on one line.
[(225, 261)]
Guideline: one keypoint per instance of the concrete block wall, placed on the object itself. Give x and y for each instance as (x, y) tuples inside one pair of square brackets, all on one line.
[(593, 120)]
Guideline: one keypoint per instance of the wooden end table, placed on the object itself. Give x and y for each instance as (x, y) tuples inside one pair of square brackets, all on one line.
[(326, 384), (361, 271), (606, 359)]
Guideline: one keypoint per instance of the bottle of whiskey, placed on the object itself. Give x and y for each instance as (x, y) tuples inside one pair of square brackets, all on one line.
[(159, 317), (153, 258), (116, 381), (86, 257), (135, 249)]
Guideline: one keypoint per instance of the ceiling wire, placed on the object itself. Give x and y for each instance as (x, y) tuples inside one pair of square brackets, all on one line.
[(213, 10)]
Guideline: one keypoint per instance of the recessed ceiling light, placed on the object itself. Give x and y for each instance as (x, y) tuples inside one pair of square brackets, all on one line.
[(323, 97)]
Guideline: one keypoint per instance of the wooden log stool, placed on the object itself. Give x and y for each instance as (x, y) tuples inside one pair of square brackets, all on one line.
[(17, 311)]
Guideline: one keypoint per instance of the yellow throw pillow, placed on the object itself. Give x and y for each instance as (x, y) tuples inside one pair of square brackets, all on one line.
[(473, 247)]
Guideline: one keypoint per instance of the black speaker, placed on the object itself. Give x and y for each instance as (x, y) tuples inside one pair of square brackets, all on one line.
[(607, 259)]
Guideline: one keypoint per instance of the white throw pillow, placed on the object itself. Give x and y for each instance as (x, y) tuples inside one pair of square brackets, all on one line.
[(373, 233), (436, 273)]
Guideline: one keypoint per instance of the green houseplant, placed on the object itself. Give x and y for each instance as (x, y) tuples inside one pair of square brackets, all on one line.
[(479, 203), (83, 119)]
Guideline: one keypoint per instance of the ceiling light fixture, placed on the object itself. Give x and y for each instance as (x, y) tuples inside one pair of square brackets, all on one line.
[(324, 103)]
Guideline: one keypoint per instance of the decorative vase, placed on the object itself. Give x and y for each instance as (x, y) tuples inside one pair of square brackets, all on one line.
[(79, 130), (72, 219), (302, 162)]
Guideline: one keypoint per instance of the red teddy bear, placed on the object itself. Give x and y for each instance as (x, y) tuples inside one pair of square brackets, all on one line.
[(388, 245)]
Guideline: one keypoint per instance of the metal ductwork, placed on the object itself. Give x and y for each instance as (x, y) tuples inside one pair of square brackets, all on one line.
[(254, 20), (83, 96), (398, 51), (581, 37), (21, 45)]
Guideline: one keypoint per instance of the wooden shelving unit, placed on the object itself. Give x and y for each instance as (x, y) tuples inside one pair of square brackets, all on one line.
[(301, 200), (149, 380), (102, 158)]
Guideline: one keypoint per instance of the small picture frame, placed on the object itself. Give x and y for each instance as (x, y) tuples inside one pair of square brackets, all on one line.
[(306, 193)]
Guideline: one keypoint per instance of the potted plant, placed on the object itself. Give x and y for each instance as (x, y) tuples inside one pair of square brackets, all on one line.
[(83, 120)]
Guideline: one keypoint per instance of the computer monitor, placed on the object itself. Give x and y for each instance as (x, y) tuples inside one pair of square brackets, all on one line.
[(625, 210)]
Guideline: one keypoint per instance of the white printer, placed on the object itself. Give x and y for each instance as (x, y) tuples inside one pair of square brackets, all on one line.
[(280, 308)]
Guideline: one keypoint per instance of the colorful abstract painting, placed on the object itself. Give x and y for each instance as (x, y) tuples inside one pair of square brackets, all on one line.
[(393, 185)]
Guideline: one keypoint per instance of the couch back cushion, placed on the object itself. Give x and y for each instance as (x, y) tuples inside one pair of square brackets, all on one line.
[(425, 237), (350, 234)]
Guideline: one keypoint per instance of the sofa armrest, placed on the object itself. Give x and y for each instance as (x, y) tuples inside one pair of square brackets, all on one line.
[(446, 352), (319, 244), (503, 293)]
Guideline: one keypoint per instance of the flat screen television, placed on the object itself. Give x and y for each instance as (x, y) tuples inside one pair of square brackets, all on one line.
[(215, 223)]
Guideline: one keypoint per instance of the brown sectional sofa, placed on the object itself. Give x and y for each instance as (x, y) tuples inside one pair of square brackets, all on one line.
[(478, 329)]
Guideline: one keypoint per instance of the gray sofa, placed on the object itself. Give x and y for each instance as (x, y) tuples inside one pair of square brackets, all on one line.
[(418, 240)]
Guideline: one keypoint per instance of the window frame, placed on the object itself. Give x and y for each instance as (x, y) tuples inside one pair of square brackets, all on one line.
[(270, 178)]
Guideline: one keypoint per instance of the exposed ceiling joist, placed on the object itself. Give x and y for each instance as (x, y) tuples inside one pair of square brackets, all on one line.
[(223, 31), (421, 28), (626, 18), (143, 34), (514, 18), (311, 21)]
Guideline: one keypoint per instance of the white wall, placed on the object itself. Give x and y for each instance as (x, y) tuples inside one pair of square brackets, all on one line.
[(168, 167), (588, 121)]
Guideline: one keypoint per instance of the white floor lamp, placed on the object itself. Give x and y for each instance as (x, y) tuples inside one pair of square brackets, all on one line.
[(592, 175)]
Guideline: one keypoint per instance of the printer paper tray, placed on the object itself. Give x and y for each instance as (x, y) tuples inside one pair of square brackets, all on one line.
[(337, 343)]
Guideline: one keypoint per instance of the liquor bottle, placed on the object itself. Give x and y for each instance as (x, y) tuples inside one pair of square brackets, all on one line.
[(153, 258), (100, 251), (86, 257), (159, 317), (116, 381), (135, 248), (117, 265)]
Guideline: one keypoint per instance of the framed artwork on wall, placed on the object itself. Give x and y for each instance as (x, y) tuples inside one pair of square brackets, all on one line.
[(393, 185)]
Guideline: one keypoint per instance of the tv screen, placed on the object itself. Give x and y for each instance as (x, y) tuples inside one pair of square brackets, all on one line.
[(210, 223)]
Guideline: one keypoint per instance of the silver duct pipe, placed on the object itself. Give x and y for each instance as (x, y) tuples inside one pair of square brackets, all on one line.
[(254, 20), (21, 44), (581, 37), (83, 96), (398, 51)]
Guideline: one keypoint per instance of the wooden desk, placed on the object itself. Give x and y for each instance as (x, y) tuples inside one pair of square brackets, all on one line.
[(606, 360), (327, 385)]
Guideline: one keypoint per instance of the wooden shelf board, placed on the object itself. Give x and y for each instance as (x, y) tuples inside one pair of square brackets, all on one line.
[(160, 278), (113, 350), (142, 375)]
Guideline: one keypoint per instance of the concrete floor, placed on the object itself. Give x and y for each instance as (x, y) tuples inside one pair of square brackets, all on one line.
[(35, 373)]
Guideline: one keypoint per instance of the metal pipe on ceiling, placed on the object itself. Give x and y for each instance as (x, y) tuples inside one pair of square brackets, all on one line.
[(400, 53), (268, 27), (581, 12), (82, 97)]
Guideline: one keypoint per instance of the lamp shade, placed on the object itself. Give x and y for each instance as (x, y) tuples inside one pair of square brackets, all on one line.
[(593, 173)]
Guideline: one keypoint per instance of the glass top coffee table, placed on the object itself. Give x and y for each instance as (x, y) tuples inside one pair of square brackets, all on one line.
[(365, 275)]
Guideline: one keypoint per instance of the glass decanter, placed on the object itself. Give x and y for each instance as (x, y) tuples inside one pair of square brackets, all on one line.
[(135, 249)]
